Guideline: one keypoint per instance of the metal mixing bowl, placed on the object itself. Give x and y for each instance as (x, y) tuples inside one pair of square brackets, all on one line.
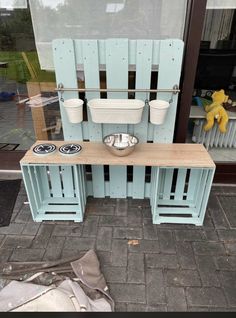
[(120, 144)]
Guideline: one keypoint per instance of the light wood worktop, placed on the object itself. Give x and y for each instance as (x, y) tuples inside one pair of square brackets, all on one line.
[(146, 154)]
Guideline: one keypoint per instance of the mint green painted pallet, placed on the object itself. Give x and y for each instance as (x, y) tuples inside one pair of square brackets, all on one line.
[(116, 56)]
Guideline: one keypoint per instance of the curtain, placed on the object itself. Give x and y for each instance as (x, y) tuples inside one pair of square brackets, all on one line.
[(221, 4), (101, 19)]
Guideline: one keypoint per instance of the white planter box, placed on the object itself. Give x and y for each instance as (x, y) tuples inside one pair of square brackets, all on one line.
[(116, 111)]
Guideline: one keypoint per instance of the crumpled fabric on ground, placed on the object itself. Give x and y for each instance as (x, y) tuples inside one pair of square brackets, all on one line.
[(90, 293)]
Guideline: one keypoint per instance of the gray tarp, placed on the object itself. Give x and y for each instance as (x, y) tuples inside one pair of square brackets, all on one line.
[(66, 296)]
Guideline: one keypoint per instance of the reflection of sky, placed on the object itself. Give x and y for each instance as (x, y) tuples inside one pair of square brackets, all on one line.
[(8, 4), (52, 3)]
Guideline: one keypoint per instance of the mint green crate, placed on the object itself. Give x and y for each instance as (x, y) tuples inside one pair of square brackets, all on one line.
[(55, 192), (180, 195)]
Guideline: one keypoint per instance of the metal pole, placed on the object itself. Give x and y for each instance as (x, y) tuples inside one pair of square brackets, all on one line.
[(173, 90)]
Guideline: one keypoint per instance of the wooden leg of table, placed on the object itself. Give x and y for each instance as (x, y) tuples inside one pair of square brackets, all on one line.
[(37, 113)]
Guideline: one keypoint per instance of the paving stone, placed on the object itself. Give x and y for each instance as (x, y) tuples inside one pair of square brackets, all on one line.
[(12, 229), (79, 243), (128, 233), (5, 254), (31, 229), (119, 252), (149, 230), (146, 212), (121, 208), (227, 235), (99, 210), (228, 190), (114, 274), (72, 253), (22, 190), (133, 221), (230, 248), (162, 261), (120, 307), (205, 296), (67, 230), (187, 277), (221, 309), (104, 238), (176, 299), (216, 213), (198, 309), (208, 223), (90, 226), (27, 255), (185, 255), (155, 288), (17, 241), (1, 238), (175, 226), (104, 257), (128, 293), (145, 308), (207, 270), (111, 220), (95, 201), (189, 235), (226, 262), (210, 235), (135, 212), (208, 248), (43, 235), (136, 268), (109, 201), (19, 203), (228, 204), (211, 309), (54, 248), (167, 241), (139, 203), (228, 281), (145, 246), (24, 215)]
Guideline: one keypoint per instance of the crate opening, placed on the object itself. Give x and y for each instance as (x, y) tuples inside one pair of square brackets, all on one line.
[(176, 215), (60, 212)]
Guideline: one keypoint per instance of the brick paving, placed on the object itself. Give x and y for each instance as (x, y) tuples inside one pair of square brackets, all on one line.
[(173, 268)]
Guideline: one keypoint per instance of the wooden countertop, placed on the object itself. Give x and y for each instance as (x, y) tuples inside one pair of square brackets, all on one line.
[(146, 154)]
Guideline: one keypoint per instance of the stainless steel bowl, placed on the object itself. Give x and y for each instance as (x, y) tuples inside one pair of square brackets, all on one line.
[(120, 144)]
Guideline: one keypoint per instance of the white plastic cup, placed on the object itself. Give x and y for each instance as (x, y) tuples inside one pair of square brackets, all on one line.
[(74, 110), (158, 111)]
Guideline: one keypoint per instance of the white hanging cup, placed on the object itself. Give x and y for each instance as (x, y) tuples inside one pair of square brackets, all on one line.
[(74, 110), (158, 111)]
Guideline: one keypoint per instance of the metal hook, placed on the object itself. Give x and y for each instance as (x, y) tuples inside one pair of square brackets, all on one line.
[(171, 98), (61, 86)]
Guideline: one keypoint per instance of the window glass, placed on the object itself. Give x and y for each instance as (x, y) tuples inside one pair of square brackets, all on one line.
[(82, 19), (216, 70)]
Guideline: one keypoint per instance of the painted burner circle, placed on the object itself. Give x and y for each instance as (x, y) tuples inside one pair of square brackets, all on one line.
[(70, 149), (44, 149)]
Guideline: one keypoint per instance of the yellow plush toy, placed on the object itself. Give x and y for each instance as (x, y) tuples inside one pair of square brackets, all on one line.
[(216, 110)]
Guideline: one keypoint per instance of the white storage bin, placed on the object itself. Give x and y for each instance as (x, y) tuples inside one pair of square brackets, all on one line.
[(74, 110), (116, 111), (158, 111)]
